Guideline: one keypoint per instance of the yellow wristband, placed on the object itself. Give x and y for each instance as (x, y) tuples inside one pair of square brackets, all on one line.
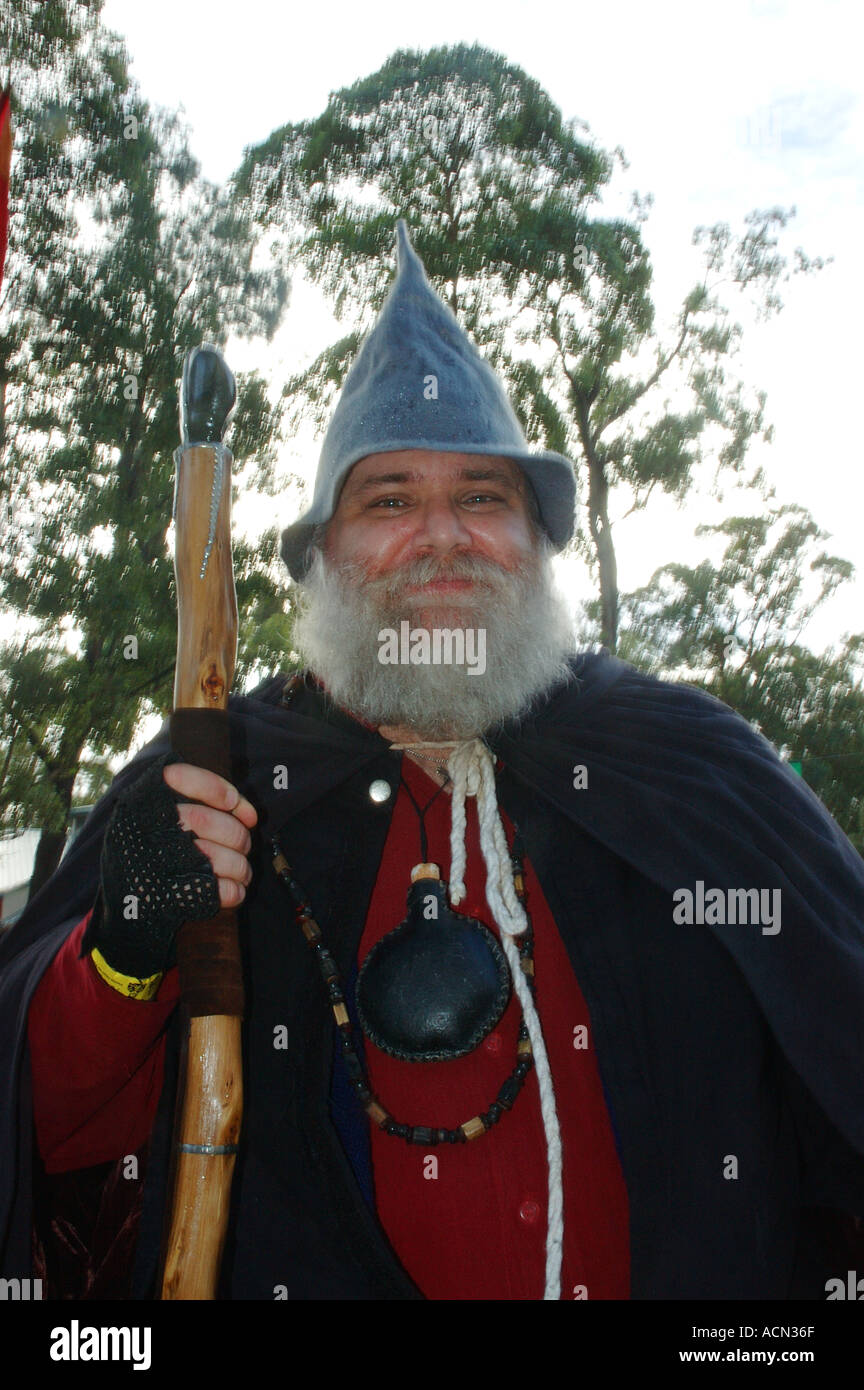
[(125, 984)]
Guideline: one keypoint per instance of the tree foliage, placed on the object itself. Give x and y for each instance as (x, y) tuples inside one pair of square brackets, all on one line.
[(121, 259), (503, 198), (736, 628)]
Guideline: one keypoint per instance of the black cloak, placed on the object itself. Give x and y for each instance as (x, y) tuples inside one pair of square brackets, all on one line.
[(679, 790)]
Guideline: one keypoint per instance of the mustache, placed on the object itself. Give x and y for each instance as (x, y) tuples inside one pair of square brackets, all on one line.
[(477, 569)]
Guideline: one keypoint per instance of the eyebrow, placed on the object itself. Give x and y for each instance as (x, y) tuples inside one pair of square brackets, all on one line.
[(470, 475)]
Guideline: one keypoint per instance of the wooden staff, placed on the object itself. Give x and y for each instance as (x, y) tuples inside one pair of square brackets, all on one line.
[(210, 1101)]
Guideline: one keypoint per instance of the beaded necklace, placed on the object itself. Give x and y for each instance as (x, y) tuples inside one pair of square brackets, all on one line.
[(357, 1074)]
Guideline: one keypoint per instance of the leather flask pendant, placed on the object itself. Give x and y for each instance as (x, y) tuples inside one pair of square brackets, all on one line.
[(432, 988)]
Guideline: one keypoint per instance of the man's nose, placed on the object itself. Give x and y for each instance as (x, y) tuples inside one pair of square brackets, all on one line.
[(441, 526)]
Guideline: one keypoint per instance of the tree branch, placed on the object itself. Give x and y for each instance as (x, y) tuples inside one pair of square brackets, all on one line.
[(32, 737)]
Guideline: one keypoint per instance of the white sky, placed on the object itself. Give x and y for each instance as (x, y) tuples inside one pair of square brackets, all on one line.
[(718, 109)]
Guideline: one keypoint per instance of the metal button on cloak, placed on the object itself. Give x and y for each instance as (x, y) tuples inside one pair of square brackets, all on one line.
[(380, 791)]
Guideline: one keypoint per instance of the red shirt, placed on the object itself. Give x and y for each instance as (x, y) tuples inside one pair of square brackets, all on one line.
[(467, 1221)]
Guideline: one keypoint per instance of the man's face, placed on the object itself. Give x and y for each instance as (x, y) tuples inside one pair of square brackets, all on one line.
[(446, 542), (413, 505)]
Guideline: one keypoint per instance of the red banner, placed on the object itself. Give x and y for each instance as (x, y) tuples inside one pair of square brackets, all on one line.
[(5, 161)]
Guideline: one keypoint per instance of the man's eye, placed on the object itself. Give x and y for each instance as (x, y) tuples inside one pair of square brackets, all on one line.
[(392, 503)]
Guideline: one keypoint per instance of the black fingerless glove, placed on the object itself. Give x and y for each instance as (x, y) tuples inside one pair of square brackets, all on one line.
[(153, 879)]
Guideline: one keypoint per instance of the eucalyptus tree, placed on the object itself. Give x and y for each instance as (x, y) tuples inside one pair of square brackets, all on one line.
[(121, 258), (504, 201), (738, 629)]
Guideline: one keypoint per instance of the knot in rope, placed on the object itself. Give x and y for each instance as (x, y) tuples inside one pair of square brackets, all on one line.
[(472, 772)]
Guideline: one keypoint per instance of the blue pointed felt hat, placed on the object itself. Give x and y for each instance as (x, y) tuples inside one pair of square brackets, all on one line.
[(390, 401)]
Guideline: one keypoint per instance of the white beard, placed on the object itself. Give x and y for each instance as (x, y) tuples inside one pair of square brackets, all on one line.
[(528, 639)]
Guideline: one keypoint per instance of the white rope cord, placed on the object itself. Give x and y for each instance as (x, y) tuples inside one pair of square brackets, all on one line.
[(473, 774)]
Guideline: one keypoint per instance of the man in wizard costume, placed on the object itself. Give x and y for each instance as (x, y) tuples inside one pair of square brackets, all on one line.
[(555, 972)]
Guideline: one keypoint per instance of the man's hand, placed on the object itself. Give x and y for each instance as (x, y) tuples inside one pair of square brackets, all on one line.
[(166, 861), (220, 823)]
